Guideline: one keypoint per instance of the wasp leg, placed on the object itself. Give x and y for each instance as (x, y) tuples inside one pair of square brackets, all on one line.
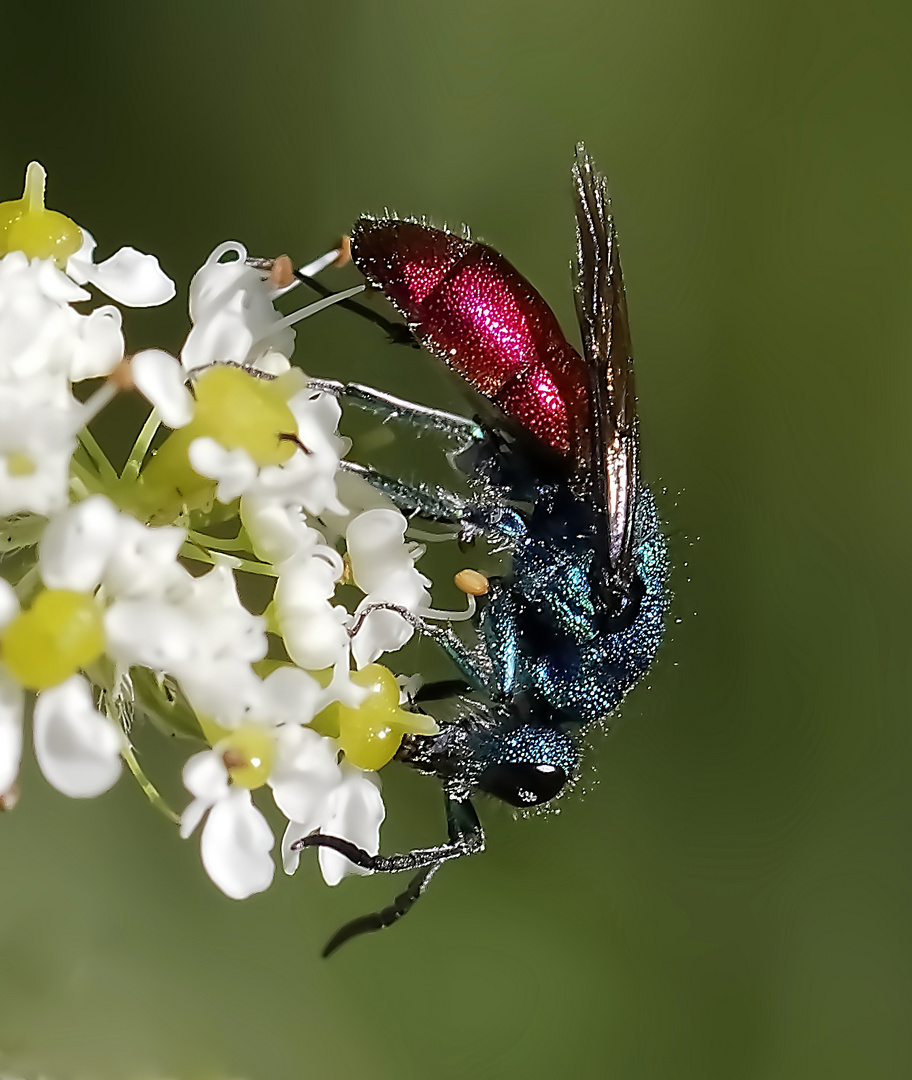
[(468, 662), (499, 523), (439, 690), (420, 500), (379, 920), (397, 332), (463, 826), (389, 407), (466, 838)]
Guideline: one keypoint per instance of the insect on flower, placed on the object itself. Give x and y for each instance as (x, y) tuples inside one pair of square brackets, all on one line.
[(576, 619)]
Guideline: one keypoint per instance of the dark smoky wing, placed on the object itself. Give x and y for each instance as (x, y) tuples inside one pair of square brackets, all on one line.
[(602, 311)]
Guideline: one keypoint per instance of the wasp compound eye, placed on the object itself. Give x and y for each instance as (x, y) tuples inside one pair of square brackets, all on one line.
[(523, 784)]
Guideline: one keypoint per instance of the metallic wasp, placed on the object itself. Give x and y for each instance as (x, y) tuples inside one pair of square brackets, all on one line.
[(577, 617)]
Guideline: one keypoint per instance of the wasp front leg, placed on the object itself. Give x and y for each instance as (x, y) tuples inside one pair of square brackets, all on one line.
[(466, 837), (496, 522), (471, 664)]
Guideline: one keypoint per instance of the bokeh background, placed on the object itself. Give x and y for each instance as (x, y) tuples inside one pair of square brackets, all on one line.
[(731, 899)]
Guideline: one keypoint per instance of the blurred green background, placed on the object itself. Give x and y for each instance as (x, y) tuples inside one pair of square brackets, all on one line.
[(731, 899)]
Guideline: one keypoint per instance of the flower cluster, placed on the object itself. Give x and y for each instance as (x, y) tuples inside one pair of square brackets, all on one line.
[(119, 598)]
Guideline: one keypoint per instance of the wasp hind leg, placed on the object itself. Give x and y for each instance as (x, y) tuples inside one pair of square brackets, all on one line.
[(388, 407), (466, 838), (397, 332)]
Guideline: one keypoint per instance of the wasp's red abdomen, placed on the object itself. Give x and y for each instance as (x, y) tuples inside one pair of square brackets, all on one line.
[(471, 308)]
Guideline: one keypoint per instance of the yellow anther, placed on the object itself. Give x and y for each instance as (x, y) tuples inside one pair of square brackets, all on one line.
[(472, 583), (282, 273), (9, 798), (345, 252)]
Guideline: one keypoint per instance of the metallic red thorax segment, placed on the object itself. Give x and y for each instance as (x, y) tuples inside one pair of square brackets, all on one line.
[(469, 307)]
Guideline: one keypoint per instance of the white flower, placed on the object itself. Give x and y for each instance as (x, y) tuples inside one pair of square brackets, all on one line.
[(41, 335), (155, 613), (236, 838), (11, 707), (383, 566), (159, 377), (234, 319), (313, 629), (37, 441), (306, 772), (77, 748), (234, 470), (354, 811), (278, 531), (201, 634), (129, 276), (306, 480)]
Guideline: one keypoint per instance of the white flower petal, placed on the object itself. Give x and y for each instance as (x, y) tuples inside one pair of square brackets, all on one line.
[(312, 628), (272, 362), (293, 833), (381, 631), (98, 344), (277, 531), (192, 816), (77, 748), (205, 776), (39, 419), (316, 639), (235, 470), (375, 545), (357, 812), (144, 562), (290, 696), (77, 544), (233, 315), (129, 276), (160, 378), (9, 604), (304, 776), (11, 704), (230, 692), (341, 688), (235, 846)]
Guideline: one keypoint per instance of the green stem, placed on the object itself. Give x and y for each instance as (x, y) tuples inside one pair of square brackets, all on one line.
[(202, 554), (99, 458), (152, 793), (220, 543), (83, 480), (27, 585), (141, 446)]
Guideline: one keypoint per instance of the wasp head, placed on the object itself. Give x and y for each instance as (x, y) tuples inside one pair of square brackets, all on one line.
[(506, 752)]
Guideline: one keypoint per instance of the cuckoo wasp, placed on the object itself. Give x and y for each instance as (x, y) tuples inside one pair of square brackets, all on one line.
[(576, 617)]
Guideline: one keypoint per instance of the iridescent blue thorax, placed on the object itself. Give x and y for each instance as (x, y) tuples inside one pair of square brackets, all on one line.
[(544, 627)]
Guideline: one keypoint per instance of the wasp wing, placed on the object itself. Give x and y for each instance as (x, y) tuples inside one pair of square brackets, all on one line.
[(602, 311)]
